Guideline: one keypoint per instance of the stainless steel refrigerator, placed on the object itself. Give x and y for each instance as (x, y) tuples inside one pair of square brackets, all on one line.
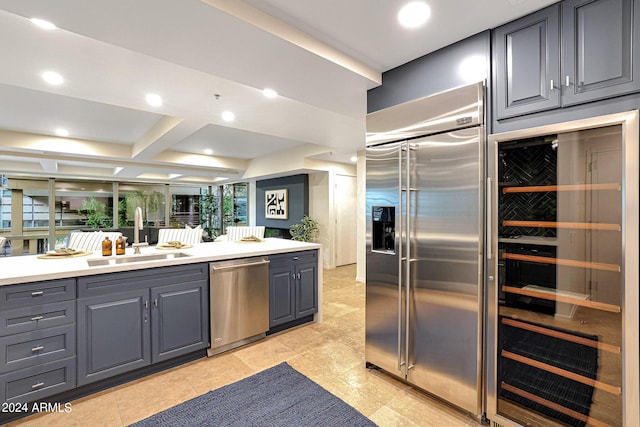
[(424, 299)]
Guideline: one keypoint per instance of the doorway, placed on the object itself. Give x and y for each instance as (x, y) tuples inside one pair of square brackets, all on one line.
[(345, 198)]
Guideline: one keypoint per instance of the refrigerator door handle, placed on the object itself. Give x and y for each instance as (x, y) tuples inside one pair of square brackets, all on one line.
[(401, 258), (489, 221), (407, 251), (401, 362)]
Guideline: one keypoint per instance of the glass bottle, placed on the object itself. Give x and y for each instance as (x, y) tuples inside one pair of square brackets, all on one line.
[(121, 244), (106, 247)]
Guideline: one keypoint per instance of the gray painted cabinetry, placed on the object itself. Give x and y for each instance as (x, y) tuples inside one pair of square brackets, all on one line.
[(293, 286), (130, 320), (37, 340), (572, 52)]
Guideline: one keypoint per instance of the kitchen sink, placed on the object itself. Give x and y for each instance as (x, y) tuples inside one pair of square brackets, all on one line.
[(134, 258)]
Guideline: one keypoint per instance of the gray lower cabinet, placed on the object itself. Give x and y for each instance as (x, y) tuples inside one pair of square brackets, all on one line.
[(113, 335), (293, 286), (130, 320), (37, 340), (573, 52)]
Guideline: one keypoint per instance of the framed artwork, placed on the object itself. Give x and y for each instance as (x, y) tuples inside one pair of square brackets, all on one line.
[(276, 204)]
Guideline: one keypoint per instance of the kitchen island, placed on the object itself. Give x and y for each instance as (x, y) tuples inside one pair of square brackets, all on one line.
[(30, 268), (71, 326)]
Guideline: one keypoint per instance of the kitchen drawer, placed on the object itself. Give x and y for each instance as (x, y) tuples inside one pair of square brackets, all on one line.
[(111, 283), (24, 295), (37, 317), (37, 347), (302, 256), (31, 384)]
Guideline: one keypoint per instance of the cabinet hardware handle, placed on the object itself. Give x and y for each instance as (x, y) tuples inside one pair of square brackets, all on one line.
[(293, 276), (37, 293), (146, 304), (155, 302), (552, 84), (38, 348), (36, 318), (489, 202), (298, 276), (37, 385), (567, 82), (295, 258)]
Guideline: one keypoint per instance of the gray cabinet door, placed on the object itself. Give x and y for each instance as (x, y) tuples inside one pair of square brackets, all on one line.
[(527, 64), (180, 324), (597, 49), (281, 293), (306, 289), (113, 335)]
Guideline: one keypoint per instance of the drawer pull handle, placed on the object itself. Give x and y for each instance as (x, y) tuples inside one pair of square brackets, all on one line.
[(37, 293), (36, 318), (38, 385), (296, 258), (38, 348)]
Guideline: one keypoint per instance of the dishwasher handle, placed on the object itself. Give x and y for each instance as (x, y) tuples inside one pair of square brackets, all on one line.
[(228, 267)]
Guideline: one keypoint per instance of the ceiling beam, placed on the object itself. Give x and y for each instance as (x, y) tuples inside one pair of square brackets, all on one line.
[(268, 23), (144, 144)]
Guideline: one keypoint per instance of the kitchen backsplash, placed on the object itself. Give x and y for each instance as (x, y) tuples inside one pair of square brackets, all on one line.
[(530, 162)]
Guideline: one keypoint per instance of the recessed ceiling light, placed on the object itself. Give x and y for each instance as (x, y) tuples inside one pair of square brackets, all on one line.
[(44, 24), (62, 132), (228, 116), (208, 151), (52, 78), (414, 14), (270, 93), (154, 100), (354, 159)]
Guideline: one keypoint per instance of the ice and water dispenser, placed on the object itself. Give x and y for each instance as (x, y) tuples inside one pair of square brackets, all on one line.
[(384, 228)]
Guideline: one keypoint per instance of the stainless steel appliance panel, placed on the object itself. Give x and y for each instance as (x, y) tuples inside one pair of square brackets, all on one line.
[(383, 293), (239, 302), (445, 250), (425, 233)]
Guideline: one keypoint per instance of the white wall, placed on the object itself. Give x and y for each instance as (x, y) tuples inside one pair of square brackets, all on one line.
[(321, 202), (361, 222)]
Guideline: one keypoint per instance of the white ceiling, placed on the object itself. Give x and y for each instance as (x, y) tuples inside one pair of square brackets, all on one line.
[(320, 55)]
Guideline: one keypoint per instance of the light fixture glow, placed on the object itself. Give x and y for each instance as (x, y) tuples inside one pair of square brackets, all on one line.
[(208, 151), (354, 159), (414, 14), (228, 116), (52, 78), (46, 25), (270, 93), (62, 132), (154, 100), (473, 69)]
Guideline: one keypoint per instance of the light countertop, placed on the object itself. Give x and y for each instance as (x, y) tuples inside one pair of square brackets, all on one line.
[(22, 269)]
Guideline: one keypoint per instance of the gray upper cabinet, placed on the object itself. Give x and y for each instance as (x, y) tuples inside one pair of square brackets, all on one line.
[(527, 64), (597, 55), (572, 52)]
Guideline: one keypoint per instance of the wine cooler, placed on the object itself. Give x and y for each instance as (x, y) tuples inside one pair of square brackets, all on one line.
[(562, 335)]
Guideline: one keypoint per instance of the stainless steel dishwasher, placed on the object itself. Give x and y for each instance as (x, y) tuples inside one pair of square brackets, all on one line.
[(239, 302)]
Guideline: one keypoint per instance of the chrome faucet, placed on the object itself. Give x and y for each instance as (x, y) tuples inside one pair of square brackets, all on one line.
[(137, 226)]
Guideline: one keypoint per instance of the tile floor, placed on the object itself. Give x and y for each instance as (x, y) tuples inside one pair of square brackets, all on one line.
[(331, 353)]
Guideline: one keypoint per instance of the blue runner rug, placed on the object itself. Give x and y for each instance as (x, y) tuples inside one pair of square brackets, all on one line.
[(278, 396)]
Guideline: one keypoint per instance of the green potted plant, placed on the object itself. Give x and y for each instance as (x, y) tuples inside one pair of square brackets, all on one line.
[(306, 230)]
